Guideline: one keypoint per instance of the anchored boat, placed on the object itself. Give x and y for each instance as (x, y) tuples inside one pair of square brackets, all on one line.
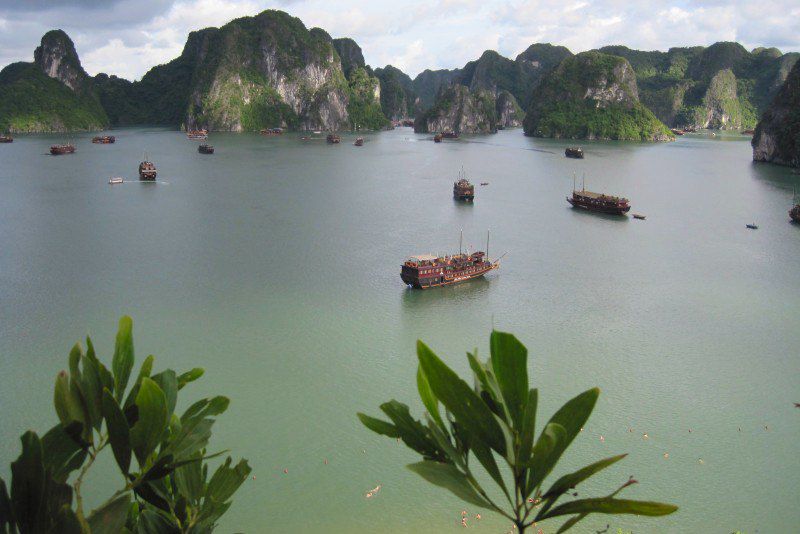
[(58, 150), (197, 134), (104, 139), (205, 149), (424, 271), (794, 213), (333, 139), (437, 138), (598, 202), (359, 141), (574, 152), (147, 171), (463, 189), (6, 139)]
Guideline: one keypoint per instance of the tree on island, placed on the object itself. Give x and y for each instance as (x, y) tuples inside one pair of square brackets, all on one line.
[(497, 419), (169, 489)]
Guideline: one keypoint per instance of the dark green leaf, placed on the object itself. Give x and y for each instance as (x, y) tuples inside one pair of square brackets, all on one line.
[(486, 458), (469, 410), (574, 414), (510, 366), (193, 437), (152, 423), (61, 453), (569, 523), (448, 477), (156, 522), (528, 431), (412, 432), (65, 522), (546, 452), (67, 403), (168, 383), (188, 479), (226, 480), (122, 363), (206, 407), (428, 398), (607, 505), (152, 493), (92, 387), (110, 517), (74, 360), (573, 479), (28, 485), (189, 376), (118, 431), (378, 426), (6, 514)]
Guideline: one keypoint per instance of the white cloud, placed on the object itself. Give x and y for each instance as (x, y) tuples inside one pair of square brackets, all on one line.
[(127, 37)]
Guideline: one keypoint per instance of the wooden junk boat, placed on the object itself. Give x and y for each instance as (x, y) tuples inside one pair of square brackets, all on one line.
[(272, 131), (197, 134), (425, 271), (58, 150), (205, 149), (104, 139), (437, 138), (794, 213), (574, 152), (333, 139), (450, 135), (147, 171), (6, 139), (463, 189), (598, 202), (359, 142)]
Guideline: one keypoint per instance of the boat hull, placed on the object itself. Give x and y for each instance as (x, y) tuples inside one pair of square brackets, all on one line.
[(608, 210), (794, 213), (416, 283)]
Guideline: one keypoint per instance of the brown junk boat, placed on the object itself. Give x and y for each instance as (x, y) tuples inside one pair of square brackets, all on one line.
[(147, 171), (58, 150), (599, 202), (6, 139), (104, 139), (425, 271), (574, 152), (333, 139), (205, 149)]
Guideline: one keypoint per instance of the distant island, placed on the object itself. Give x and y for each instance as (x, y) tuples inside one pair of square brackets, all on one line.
[(269, 70)]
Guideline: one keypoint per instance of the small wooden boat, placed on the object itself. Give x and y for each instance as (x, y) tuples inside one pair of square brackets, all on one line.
[(6, 139), (753, 226), (116, 180), (450, 135), (333, 139), (437, 138), (205, 149), (639, 216), (484, 183), (574, 152), (104, 139), (272, 131), (359, 142), (677, 131), (197, 134), (58, 150)]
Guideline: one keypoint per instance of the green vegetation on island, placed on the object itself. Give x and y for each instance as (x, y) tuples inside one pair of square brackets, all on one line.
[(495, 421), (166, 489), (777, 137)]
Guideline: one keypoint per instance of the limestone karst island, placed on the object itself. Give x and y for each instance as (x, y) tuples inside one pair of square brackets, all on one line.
[(412, 267)]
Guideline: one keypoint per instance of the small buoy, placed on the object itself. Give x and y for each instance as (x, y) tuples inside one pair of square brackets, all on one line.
[(666, 455), (478, 517), (364, 451), (285, 471), (645, 436), (602, 439), (630, 429), (326, 461), (740, 429), (700, 461), (690, 431), (254, 477), (766, 427)]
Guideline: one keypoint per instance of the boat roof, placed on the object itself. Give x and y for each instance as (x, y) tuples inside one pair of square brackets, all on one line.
[(423, 257), (591, 194)]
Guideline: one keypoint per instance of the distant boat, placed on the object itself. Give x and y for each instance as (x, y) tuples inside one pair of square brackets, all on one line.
[(753, 226), (598, 202), (116, 180), (677, 131), (437, 138), (359, 142), (147, 171), (463, 189), (794, 213), (450, 135), (6, 139), (58, 150), (333, 139), (104, 139), (574, 152), (424, 271), (197, 134), (272, 131), (484, 183), (205, 149), (639, 216)]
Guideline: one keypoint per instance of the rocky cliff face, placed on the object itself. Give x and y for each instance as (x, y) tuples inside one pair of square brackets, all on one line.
[(592, 96), (57, 58), (397, 93), (267, 70), (53, 94), (459, 110), (350, 54), (777, 137), (720, 86), (428, 83), (509, 114)]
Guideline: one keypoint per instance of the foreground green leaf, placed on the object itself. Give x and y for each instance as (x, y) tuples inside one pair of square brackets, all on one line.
[(448, 477)]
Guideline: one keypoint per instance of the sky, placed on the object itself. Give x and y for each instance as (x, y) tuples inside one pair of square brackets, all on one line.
[(128, 37)]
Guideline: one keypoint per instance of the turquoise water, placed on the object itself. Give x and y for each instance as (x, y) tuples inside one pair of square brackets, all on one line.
[(275, 265)]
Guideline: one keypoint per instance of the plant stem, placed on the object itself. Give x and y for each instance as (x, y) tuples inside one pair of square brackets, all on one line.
[(93, 452)]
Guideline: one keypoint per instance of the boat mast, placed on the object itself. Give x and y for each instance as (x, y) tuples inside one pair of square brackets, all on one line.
[(583, 182), (460, 240), (487, 245)]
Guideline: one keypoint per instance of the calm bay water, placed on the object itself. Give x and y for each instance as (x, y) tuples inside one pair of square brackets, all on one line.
[(274, 264)]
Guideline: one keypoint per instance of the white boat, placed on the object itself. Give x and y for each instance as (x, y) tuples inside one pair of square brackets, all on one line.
[(116, 180)]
